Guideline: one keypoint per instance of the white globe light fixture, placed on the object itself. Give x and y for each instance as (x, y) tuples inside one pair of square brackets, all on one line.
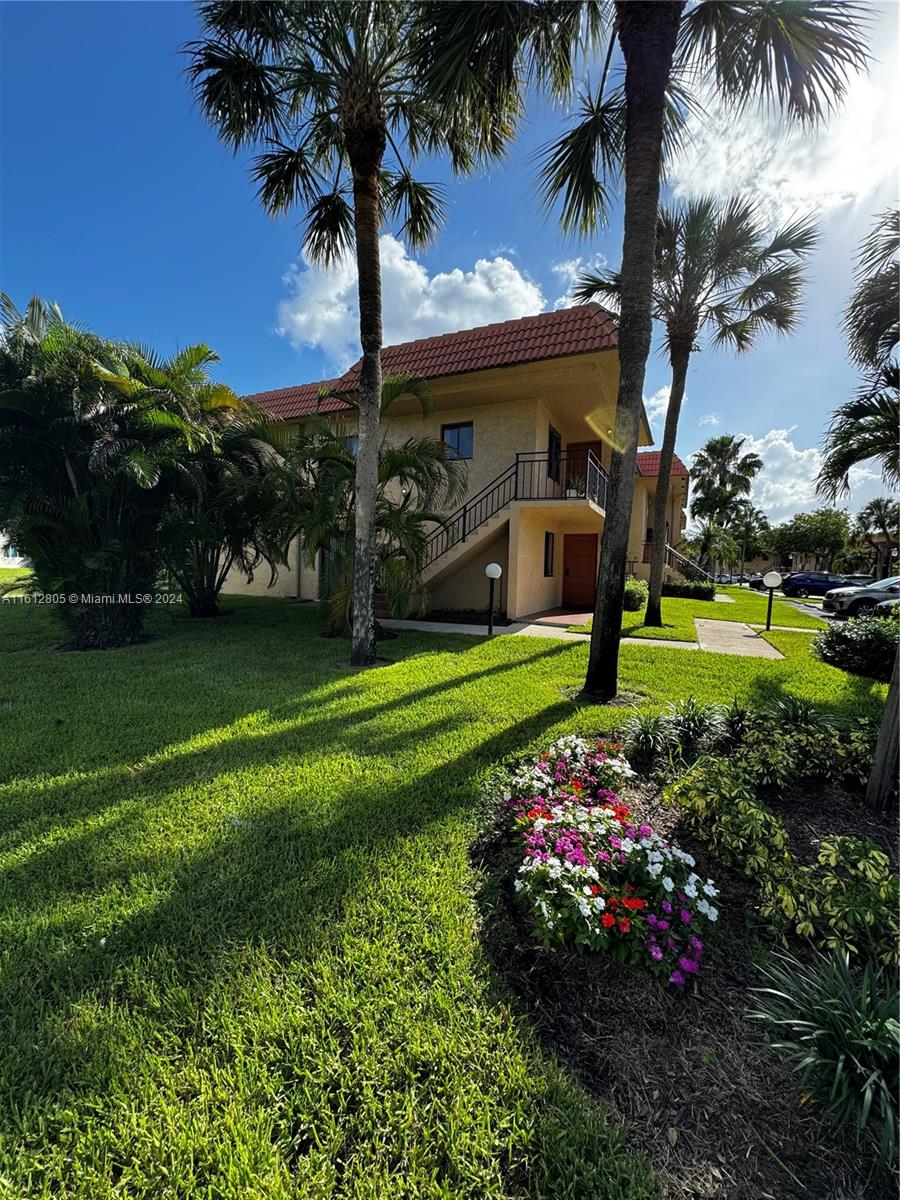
[(771, 580), (493, 571)]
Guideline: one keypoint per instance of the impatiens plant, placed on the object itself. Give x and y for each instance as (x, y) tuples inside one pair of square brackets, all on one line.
[(595, 878)]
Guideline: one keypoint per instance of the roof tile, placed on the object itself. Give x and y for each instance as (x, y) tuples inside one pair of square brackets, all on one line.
[(579, 330), (648, 464)]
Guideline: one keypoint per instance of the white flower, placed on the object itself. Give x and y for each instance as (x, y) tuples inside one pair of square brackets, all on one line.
[(709, 889), (690, 889), (668, 884)]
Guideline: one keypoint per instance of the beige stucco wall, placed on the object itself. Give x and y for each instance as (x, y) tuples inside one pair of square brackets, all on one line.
[(468, 587), (530, 591), (285, 585)]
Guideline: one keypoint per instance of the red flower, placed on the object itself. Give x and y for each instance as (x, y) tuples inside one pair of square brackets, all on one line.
[(607, 920), (624, 925), (596, 888), (612, 902)]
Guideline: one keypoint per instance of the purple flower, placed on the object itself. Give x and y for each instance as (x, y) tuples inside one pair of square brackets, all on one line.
[(696, 944), (688, 964), (645, 831), (656, 953), (666, 906), (686, 917), (677, 978), (603, 856), (662, 925), (652, 920)]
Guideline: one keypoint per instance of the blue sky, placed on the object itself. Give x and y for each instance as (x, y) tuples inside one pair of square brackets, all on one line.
[(117, 201)]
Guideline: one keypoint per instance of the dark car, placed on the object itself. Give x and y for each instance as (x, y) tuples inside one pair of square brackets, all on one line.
[(812, 583)]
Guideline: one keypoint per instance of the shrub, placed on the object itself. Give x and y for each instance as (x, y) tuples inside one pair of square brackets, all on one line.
[(847, 901), (636, 593), (647, 739), (840, 1031), (689, 589), (719, 799), (864, 646), (593, 878)]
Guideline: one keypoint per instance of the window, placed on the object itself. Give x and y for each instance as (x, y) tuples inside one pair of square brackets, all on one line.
[(352, 443), (458, 440), (554, 454), (549, 554)]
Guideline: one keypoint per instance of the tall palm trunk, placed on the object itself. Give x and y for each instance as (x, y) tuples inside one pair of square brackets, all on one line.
[(366, 150), (680, 360), (647, 34), (883, 778)]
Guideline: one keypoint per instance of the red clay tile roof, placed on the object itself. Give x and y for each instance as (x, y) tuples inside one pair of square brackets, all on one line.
[(578, 330), (301, 401), (648, 464)]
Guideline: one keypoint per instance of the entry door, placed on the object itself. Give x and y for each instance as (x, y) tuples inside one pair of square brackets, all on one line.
[(579, 570)]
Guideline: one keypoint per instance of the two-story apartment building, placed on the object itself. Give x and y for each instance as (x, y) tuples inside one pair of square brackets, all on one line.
[(530, 406)]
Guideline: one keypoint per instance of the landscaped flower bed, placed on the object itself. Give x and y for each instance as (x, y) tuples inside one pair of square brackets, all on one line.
[(592, 877)]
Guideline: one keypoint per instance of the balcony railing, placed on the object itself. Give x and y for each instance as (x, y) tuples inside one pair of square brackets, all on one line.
[(569, 475), (538, 475)]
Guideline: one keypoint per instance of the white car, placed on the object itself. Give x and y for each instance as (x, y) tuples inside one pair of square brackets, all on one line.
[(854, 601)]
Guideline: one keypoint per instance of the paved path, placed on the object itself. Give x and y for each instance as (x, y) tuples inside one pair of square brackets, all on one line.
[(721, 637), (733, 637)]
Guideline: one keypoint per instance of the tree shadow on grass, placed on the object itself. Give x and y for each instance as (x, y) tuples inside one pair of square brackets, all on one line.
[(285, 884)]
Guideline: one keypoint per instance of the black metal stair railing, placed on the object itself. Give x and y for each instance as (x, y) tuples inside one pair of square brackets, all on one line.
[(541, 475), (678, 562)]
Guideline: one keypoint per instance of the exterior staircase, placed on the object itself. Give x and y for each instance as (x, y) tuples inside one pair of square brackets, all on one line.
[(685, 568), (543, 475)]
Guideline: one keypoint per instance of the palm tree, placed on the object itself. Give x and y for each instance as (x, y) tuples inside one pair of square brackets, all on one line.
[(721, 476), (747, 527), (325, 90), (865, 428), (791, 54), (416, 484), (718, 269), (712, 545), (878, 525), (94, 436)]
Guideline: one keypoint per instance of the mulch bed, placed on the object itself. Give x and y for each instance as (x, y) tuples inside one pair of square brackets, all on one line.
[(699, 1089)]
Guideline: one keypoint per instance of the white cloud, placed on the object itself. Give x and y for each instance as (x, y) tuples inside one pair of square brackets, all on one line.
[(787, 482), (657, 406), (790, 169), (322, 310), (568, 270), (709, 419)]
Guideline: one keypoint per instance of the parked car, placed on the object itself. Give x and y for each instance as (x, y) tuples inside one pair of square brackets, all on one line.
[(887, 608), (858, 580), (811, 583), (852, 601)]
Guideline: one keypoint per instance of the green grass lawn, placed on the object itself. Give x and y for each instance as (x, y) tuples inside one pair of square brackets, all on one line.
[(240, 954), (11, 574), (678, 615)]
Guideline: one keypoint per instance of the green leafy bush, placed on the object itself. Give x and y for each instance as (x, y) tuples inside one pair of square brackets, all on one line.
[(719, 799), (689, 589), (840, 1031), (847, 901), (636, 593), (669, 741), (865, 646)]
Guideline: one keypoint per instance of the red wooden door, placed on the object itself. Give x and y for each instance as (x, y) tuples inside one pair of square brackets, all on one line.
[(579, 570)]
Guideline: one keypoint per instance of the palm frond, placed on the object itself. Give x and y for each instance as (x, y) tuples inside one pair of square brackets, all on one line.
[(329, 231), (574, 169)]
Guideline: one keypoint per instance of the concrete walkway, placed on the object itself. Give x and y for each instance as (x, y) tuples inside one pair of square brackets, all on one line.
[(733, 637), (720, 637)]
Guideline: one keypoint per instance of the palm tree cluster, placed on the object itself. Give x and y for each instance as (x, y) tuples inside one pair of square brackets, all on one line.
[(730, 529), (108, 456), (326, 90)]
